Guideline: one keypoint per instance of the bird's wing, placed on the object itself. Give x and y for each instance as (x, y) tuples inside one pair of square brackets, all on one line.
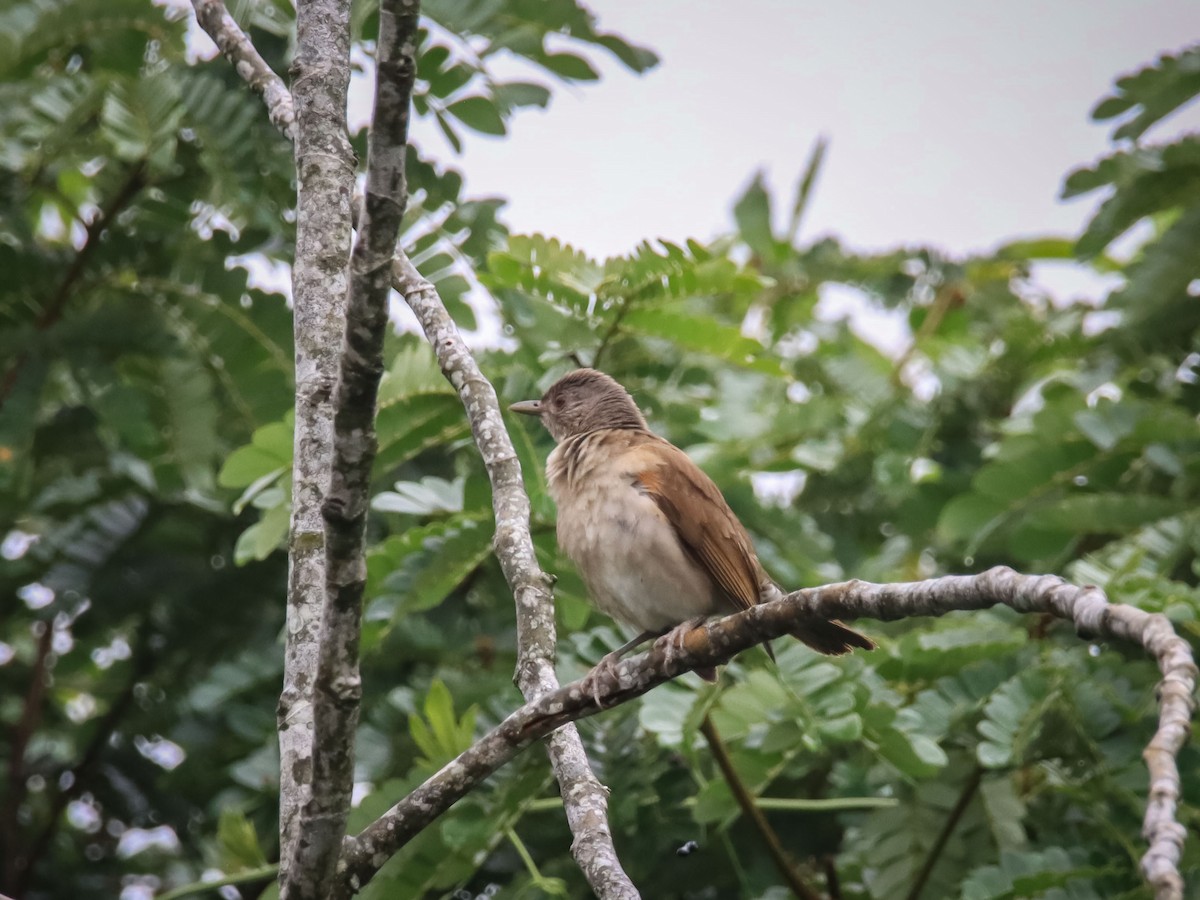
[(703, 521)]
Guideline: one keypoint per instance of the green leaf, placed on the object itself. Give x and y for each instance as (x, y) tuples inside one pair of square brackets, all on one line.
[(140, 118), (513, 94), (842, 729), (421, 498), (967, 515), (1028, 873), (714, 803), (418, 569), (568, 66), (948, 646), (1157, 295), (479, 113), (1005, 811), (413, 370), (269, 450), (703, 334), (1159, 89), (1107, 513), (640, 59), (192, 414), (1147, 181), (1013, 718), (418, 423), (915, 755), (1107, 424), (449, 80), (239, 844), (440, 735), (1022, 470), (448, 130), (264, 537), (752, 212), (664, 713), (1048, 247), (804, 189)]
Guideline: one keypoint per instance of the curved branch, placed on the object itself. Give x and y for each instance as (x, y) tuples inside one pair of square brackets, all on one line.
[(236, 46), (715, 643), (585, 799)]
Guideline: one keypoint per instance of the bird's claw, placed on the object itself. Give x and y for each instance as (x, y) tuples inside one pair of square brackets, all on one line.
[(673, 641), (605, 668)]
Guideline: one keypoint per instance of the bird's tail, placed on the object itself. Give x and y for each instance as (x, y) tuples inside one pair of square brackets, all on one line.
[(832, 637), (828, 636)]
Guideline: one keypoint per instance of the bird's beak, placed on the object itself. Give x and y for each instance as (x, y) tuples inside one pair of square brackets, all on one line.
[(527, 407)]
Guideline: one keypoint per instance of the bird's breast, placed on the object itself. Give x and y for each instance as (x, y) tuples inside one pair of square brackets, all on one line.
[(625, 549)]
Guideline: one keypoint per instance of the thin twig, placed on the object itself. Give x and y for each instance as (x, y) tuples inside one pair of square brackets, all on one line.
[(969, 789), (235, 44), (17, 861), (134, 181), (832, 884), (944, 300), (245, 876), (143, 661), (745, 800)]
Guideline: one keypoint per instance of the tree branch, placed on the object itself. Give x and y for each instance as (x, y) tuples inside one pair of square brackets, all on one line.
[(750, 809), (134, 181), (317, 291), (17, 861), (715, 643), (338, 694), (585, 799), (142, 663), (969, 789), (235, 44), (325, 180)]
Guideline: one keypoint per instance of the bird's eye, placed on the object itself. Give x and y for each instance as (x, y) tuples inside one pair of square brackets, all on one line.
[(557, 402)]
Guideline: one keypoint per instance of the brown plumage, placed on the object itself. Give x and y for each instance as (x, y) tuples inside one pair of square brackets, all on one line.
[(651, 534)]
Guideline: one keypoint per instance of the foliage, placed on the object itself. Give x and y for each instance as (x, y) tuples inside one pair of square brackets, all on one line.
[(145, 444)]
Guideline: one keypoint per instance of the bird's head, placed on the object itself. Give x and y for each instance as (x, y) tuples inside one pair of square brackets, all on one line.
[(581, 401)]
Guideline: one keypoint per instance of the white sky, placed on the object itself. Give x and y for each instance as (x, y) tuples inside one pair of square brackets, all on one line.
[(949, 122)]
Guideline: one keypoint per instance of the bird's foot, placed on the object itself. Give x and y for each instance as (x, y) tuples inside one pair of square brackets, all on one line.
[(673, 641), (605, 669)]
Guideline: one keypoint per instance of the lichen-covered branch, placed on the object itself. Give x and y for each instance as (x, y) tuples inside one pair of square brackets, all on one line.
[(338, 693), (325, 181), (715, 643), (236, 46), (584, 797)]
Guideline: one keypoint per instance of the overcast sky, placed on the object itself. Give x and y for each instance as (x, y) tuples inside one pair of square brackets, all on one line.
[(949, 122)]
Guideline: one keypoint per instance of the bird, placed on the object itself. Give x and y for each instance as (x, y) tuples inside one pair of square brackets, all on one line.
[(656, 544)]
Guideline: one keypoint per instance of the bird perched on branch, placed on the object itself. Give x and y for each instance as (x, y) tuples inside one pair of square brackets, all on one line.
[(653, 538)]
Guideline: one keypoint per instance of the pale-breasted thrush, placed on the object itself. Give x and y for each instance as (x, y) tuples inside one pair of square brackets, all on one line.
[(652, 537)]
